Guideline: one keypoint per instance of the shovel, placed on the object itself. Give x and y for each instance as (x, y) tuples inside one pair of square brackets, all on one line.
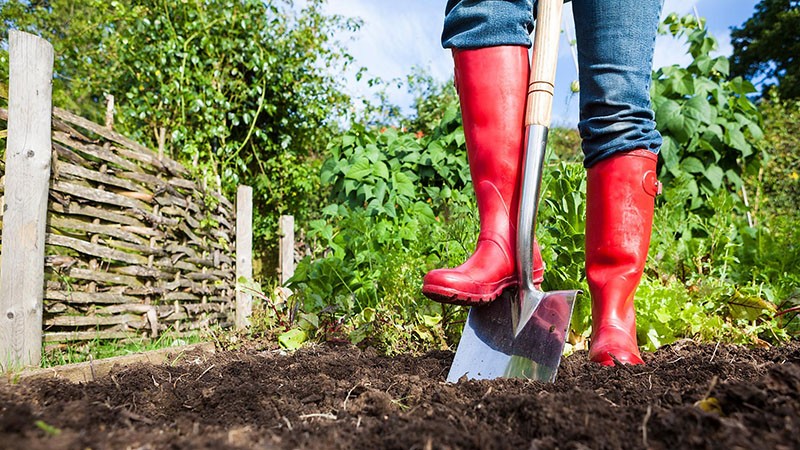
[(522, 334)]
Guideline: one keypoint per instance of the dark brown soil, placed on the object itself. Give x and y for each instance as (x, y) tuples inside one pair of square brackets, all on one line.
[(687, 396)]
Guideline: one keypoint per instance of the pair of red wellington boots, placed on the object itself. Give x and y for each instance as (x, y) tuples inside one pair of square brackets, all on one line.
[(492, 85)]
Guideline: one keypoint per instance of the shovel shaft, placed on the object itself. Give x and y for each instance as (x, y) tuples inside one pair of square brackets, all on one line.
[(537, 120), (539, 107)]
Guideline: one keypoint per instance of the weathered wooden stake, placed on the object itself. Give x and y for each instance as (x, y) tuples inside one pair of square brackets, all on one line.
[(109, 111), (286, 252), (28, 156), (244, 253)]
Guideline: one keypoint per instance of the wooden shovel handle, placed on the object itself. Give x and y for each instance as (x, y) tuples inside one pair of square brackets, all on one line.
[(543, 66)]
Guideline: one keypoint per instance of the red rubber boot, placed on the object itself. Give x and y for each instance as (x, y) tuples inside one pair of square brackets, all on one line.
[(492, 85), (620, 196)]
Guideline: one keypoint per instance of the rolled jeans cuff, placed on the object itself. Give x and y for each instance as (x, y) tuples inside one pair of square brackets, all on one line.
[(470, 24)]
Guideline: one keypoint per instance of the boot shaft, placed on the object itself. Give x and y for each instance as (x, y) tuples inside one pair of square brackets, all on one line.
[(620, 195), (492, 85)]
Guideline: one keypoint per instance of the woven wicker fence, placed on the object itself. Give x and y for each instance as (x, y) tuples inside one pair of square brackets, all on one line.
[(102, 237), (133, 245)]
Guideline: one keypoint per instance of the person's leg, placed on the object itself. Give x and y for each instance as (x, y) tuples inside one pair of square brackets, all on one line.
[(620, 143), (490, 50), (616, 41)]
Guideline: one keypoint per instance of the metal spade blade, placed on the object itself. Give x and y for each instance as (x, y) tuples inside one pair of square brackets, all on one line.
[(513, 338)]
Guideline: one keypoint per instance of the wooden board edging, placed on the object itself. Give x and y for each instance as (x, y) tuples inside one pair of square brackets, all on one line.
[(92, 370)]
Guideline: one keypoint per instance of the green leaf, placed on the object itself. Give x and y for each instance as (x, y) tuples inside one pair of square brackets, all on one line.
[(423, 211), (733, 177), (704, 86), (380, 191), (372, 153), (350, 186), (705, 64), (692, 185), (358, 335), (669, 153), (359, 170), (682, 83), (460, 137), (380, 170), (755, 131), (692, 165), (714, 174), (431, 321), (749, 307), (367, 191), (331, 210), (716, 131), (722, 65), (402, 185), (652, 338), (666, 110), (682, 125), (308, 321), (735, 138), (699, 108), (390, 210), (292, 339)]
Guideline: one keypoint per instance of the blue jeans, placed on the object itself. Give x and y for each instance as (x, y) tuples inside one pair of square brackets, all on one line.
[(616, 40)]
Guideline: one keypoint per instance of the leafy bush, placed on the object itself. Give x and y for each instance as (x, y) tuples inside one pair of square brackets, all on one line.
[(710, 128), (707, 276), (397, 211)]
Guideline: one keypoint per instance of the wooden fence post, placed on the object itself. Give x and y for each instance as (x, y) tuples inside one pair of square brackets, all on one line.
[(28, 154), (244, 253), (109, 111), (286, 256)]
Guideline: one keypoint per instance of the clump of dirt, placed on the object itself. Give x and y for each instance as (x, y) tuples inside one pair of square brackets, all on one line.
[(330, 397)]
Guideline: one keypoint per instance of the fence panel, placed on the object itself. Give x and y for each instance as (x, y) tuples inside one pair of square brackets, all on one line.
[(133, 246)]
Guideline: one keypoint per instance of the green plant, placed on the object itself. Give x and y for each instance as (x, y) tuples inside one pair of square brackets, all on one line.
[(396, 212), (711, 129), (712, 276), (561, 226)]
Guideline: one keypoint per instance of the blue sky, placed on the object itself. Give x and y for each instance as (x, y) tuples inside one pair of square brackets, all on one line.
[(398, 35)]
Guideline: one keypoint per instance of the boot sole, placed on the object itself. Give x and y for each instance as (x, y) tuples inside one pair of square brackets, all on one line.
[(454, 297)]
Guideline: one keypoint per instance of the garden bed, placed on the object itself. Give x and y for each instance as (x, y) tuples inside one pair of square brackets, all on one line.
[(687, 396)]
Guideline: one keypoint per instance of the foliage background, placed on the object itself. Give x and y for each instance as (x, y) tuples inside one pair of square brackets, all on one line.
[(235, 89), (246, 91)]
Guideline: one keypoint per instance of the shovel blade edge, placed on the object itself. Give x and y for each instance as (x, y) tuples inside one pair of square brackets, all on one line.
[(490, 347)]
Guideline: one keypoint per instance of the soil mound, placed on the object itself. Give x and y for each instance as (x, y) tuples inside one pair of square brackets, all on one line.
[(686, 396)]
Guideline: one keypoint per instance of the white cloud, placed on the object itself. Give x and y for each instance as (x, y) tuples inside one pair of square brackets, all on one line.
[(680, 7), (669, 51), (394, 38)]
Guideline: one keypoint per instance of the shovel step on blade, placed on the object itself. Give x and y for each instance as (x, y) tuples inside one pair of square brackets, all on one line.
[(495, 344)]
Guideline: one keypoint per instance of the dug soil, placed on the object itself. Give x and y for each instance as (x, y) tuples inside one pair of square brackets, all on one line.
[(686, 396)]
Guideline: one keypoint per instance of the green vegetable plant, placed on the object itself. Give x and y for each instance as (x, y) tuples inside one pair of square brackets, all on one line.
[(396, 211), (711, 129)]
